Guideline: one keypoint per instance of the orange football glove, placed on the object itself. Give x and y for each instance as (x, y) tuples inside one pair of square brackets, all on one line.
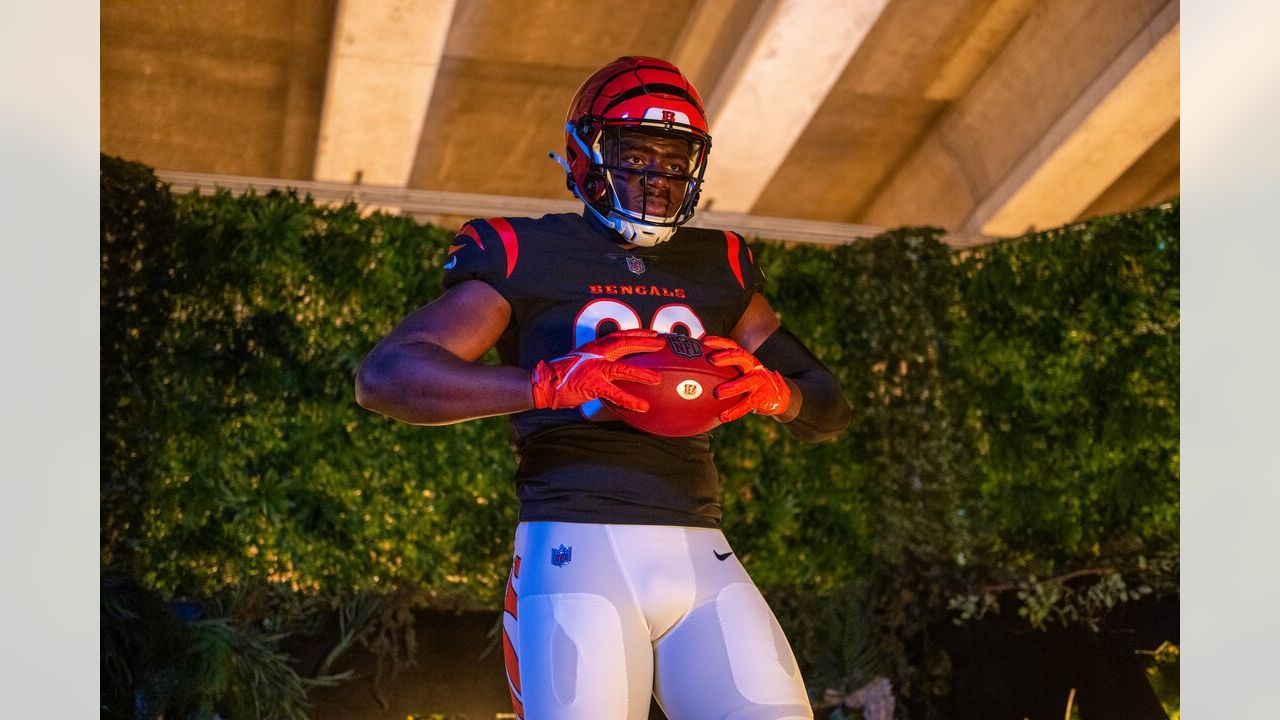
[(765, 390), (589, 371)]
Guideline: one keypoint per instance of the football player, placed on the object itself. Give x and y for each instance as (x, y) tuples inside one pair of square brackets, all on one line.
[(622, 586)]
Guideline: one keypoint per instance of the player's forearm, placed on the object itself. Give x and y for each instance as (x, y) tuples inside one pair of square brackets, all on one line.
[(425, 384), (818, 410)]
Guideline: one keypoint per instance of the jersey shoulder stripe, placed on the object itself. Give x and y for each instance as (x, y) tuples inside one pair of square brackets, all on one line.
[(735, 263), (469, 230), (474, 255), (500, 226), (510, 242)]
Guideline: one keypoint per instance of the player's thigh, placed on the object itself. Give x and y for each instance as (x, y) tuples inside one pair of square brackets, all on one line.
[(729, 660), (581, 648)]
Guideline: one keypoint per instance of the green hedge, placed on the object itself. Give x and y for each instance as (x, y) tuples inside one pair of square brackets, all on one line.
[(1015, 433), (234, 452)]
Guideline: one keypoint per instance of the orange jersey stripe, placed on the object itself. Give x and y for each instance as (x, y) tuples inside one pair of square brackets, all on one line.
[(735, 263), (509, 241), (471, 233)]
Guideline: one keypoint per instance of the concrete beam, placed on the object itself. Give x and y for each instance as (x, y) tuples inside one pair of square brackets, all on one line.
[(431, 206), (1151, 179), (1126, 110), (782, 71), (709, 38), (998, 21), (1060, 64), (382, 69)]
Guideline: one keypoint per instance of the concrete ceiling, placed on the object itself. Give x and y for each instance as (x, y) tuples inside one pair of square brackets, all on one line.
[(986, 117)]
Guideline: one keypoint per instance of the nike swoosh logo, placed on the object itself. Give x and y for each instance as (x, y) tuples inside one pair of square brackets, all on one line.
[(453, 261), (720, 557), (580, 357)]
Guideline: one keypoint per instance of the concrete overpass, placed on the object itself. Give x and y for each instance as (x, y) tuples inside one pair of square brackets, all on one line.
[(830, 118)]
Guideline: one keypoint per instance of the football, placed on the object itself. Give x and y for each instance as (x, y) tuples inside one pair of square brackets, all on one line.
[(683, 403)]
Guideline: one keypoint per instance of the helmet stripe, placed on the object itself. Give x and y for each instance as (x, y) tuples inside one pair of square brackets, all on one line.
[(649, 89)]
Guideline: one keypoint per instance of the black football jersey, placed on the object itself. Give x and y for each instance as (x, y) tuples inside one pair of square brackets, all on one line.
[(568, 283)]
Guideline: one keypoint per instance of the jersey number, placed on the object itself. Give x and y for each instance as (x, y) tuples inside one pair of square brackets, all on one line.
[(598, 314)]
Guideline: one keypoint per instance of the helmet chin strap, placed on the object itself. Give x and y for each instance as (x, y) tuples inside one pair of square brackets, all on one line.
[(650, 235), (633, 232), (562, 162)]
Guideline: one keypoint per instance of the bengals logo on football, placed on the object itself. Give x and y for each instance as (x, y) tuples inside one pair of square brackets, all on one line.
[(689, 389)]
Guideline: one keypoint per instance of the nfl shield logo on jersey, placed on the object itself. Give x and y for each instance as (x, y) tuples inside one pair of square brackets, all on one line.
[(635, 264), (561, 555)]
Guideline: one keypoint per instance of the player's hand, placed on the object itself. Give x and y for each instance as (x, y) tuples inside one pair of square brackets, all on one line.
[(589, 371), (765, 391)]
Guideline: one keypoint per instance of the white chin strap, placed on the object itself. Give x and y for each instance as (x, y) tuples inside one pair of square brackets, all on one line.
[(634, 232), (644, 235)]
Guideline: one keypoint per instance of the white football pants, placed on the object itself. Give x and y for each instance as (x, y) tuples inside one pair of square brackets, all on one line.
[(598, 618)]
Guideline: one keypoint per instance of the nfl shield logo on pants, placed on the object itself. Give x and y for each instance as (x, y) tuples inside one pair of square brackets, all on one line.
[(561, 555)]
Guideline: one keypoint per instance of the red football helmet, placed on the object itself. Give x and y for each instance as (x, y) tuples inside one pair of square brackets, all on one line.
[(645, 97)]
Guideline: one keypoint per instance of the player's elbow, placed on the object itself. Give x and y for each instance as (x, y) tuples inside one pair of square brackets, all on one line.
[(379, 387), (371, 386), (392, 384)]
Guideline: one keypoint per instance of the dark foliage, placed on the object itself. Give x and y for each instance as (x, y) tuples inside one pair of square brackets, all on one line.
[(1015, 434)]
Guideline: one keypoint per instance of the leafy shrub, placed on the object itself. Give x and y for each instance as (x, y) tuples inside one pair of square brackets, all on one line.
[(1015, 433)]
